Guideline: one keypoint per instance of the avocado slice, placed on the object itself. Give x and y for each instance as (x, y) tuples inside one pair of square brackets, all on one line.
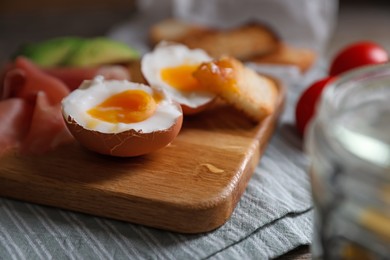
[(99, 51), (51, 52)]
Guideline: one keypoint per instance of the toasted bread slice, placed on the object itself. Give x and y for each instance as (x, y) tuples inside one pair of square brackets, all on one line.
[(239, 86), (242, 42), (287, 55), (174, 30)]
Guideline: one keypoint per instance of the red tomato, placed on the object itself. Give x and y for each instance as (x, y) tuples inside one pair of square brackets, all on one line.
[(306, 105), (356, 55)]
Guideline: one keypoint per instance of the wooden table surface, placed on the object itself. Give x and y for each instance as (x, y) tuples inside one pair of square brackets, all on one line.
[(357, 21)]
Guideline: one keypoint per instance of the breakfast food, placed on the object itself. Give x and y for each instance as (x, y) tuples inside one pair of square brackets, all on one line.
[(121, 118), (173, 30), (14, 116), (98, 51), (169, 67), (30, 110), (106, 112), (239, 86), (52, 52), (242, 42), (249, 42), (287, 55), (77, 52)]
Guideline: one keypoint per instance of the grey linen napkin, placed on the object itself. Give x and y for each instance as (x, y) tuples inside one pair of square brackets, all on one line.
[(273, 216)]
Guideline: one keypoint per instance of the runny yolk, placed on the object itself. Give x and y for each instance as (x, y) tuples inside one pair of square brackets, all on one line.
[(129, 106), (180, 77)]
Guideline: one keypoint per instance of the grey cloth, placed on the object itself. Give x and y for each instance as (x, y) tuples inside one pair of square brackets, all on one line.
[(273, 216)]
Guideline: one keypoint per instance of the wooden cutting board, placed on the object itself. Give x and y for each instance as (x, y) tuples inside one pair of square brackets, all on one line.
[(190, 186)]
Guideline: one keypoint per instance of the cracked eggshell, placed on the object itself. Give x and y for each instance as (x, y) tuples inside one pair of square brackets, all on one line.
[(119, 139), (125, 144)]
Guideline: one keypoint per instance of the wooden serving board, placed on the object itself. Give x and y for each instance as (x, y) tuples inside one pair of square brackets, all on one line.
[(190, 186)]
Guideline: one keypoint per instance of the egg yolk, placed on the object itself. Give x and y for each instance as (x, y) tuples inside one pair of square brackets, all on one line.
[(130, 106), (180, 77), (219, 76)]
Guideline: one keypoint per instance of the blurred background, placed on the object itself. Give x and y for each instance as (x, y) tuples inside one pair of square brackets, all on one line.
[(26, 21)]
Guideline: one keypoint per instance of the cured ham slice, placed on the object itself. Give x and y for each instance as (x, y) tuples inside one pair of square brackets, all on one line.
[(15, 117), (35, 80), (73, 77), (47, 128), (30, 108)]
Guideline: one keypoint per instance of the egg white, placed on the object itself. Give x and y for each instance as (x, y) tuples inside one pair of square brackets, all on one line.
[(93, 92), (172, 55)]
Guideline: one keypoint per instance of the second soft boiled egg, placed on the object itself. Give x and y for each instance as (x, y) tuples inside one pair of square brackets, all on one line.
[(169, 67), (121, 118)]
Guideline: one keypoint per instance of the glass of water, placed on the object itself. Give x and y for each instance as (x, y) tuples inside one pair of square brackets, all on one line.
[(349, 147)]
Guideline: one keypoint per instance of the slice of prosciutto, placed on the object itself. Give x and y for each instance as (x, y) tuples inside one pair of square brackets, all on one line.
[(30, 97), (47, 130), (25, 80), (15, 118), (30, 113)]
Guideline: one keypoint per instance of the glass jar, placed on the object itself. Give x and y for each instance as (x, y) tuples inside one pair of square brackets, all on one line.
[(348, 143)]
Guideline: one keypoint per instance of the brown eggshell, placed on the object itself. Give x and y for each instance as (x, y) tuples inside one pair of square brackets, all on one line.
[(195, 110), (125, 144)]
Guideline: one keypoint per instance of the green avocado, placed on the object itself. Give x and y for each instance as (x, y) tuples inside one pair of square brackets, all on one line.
[(97, 51), (51, 52)]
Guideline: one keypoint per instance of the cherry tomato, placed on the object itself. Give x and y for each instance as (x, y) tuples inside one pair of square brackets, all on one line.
[(356, 55), (306, 104)]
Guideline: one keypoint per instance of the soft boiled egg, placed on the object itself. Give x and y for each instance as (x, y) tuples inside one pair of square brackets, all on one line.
[(169, 67), (121, 118)]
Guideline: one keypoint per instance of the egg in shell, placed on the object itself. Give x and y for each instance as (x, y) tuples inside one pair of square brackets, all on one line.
[(169, 67), (121, 118)]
